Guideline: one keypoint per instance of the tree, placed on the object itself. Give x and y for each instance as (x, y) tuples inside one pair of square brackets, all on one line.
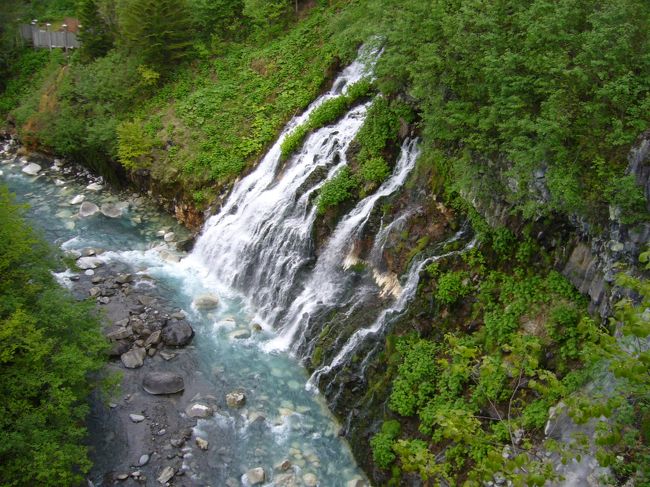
[(158, 31), (265, 12), (95, 36)]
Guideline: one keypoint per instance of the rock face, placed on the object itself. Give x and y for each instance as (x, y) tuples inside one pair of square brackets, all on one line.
[(32, 169), (163, 383), (134, 358), (255, 476), (177, 333), (88, 209)]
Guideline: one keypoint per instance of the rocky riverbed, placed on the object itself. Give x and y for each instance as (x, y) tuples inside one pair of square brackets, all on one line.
[(198, 402)]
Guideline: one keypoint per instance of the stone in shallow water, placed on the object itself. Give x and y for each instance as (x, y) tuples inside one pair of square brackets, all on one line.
[(134, 358), (32, 169), (144, 459), (255, 476), (169, 237), (136, 418), (240, 334), (163, 383), (202, 443), (198, 410), (88, 262), (111, 210), (236, 399), (88, 209), (310, 480), (95, 187), (206, 301)]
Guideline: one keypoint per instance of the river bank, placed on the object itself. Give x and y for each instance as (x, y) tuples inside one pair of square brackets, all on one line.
[(279, 433)]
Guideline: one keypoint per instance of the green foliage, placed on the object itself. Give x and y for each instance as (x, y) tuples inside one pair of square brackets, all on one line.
[(415, 382), (157, 31), (218, 18), (266, 12), (49, 344), (452, 286), (468, 392), (382, 443), (336, 190), (374, 170), (134, 145), (564, 85), (23, 77), (95, 35)]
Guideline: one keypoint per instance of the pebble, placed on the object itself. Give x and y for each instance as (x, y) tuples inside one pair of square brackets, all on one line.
[(136, 418), (144, 459)]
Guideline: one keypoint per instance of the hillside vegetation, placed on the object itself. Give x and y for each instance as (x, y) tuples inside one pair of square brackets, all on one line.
[(50, 344), (528, 105)]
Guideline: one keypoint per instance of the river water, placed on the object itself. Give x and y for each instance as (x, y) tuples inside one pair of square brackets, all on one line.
[(298, 425)]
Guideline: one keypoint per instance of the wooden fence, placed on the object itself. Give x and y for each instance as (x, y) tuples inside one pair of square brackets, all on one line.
[(39, 38)]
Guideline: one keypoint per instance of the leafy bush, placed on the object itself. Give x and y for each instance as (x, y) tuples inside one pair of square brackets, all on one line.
[(416, 376), (49, 344), (374, 170), (382, 443), (336, 190), (451, 287), (134, 145)]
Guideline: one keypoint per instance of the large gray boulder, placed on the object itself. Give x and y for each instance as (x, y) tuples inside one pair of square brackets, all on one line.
[(177, 333), (134, 358), (163, 383)]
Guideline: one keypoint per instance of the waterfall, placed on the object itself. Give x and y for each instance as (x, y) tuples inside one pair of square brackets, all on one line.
[(325, 283), (261, 239), (389, 314)]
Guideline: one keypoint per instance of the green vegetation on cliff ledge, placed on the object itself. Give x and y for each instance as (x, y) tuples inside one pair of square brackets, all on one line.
[(508, 340), (49, 344)]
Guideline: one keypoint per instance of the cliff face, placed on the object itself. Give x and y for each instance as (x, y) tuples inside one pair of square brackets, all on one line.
[(358, 390)]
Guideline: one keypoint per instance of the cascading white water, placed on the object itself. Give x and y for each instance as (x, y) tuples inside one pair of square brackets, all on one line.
[(324, 284), (260, 240), (385, 317)]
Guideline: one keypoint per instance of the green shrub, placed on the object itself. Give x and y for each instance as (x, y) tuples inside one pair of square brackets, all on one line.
[(134, 145), (452, 287), (49, 346), (293, 141), (374, 170), (382, 443), (336, 190)]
